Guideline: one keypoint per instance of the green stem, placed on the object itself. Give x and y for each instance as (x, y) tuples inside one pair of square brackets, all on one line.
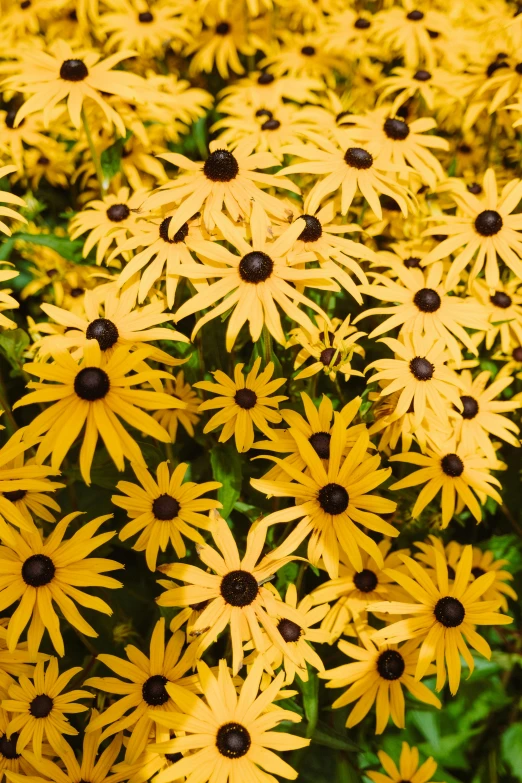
[(267, 345), (11, 424), (94, 155)]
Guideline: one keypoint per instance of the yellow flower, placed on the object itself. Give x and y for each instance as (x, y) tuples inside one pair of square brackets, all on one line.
[(9, 198), (332, 345), (188, 417), (504, 311), (164, 509), (37, 572), (244, 402), (408, 769), (132, 25)]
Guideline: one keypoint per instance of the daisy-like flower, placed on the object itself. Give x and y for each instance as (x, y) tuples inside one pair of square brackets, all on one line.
[(109, 219), (234, 595), (332, 345), (396, 143), (504, 311), (9, 198), (23, 486), (7, 302), (481, 416), (298, 636), (408, 770), (113, 320), (443, 617), (13, 663), (229, 736), (225, 178), (133, 25), (347, 170), (188, 417), (18, 766), (455, 470), (37, 572), (162, 254), (40, 708), (419, 372), (352, 590), (332, 502), (316, 425), (410, 32), (56, 165), (164, 509), (14, 141), (145, 694), (431, 86), (302, 56), (243, 403), (96, 393), (378, 677), (419, 305), (50, 77), (485, 230)]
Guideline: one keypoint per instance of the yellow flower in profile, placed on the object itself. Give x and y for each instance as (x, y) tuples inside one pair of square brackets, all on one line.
[(443, 617), (91, 393), (237, 740), (486, 229), (235, 595), (132, 25), (244, 402), (460, 474), (164, 509), (7, 302), (145, 694), (331, 502), (408, 770), (188, 417), (39, 707), (332, 345), (22, 486), (50, 77), (17, 766), (9, 198), (37, 572), (14, 663), (378, 677)]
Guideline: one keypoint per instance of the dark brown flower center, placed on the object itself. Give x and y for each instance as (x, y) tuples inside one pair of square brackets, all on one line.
[(358, 158), (327, 355), (422, 369), (415, 16), (146, 17), (333, 499), (104, 331), (154, 691), (366, 581), (233, 740), (8, 746), (221, 166), (452, 465), (73, 71), (118, 212), (412, 262), (517, 353), (390, 665), (76, 292), (41, 706), (239, 588), (320, 441), (308, 51), (313, 229), (290, 631), (264, 113), (245, 398), (16, 494), (255, 267), (475, 188), (488, 223), (25, 4), (396, 129), (179, 236), (38, 570), (422, 76), (165, 507), (223, 28), (427, 300), (449, 612), (362, 24), (470, 407), (265, 78), (500, 299), (92, 383), (271, 124)]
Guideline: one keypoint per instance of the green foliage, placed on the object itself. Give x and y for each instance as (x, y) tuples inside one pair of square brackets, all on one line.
[(227, 468)]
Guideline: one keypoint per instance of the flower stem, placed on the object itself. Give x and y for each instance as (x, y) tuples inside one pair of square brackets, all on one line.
[(267, 345), (94, 155)]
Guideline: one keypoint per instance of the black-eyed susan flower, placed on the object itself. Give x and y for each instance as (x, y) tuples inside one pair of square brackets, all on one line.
[(224, 178), (39, 708), (485, 230), (461, 475), (14, 663), (409, 769), (346, 169), (332, 345), (331, 503), (148, 30), (420, 373), (411, 32), (164, 510), (444, 618), (481, 417), (145, 692), (230, 735), (188, 417), (432, 86), (23, 486), (16, 201), (235, 595), (39, 572), (303, 56), (18, 766), (96, 393), (378, 677), (243, 403), (352, 591), (503, 308)]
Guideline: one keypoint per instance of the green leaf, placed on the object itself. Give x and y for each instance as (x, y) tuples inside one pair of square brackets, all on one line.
[(511, 746), (110, 158), (71, 251), (13, 343), (310, 693), (6, 248), (227, 468)]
